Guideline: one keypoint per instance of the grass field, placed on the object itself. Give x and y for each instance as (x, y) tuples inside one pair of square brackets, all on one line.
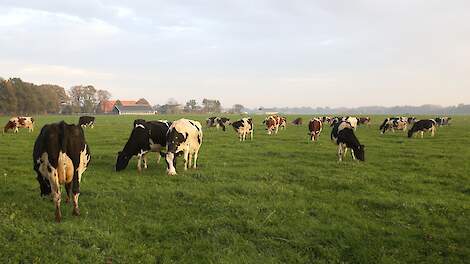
[(277, 199)]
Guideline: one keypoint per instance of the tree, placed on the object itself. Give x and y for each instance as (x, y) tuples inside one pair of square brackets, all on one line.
[(142, 101), (237, 108), (211, 106), (103, 95), (191, 106)]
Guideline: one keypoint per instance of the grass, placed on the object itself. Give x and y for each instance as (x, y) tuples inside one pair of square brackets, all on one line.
[(277, 199)]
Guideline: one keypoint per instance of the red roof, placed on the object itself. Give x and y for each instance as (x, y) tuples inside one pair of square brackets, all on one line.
[(107, 106)]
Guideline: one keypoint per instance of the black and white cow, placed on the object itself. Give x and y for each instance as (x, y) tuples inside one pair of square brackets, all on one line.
[(423, 126), (146, 136), (244, 127), (86, 121), (184, 136), (442, 121), (343, 135), (60, 156), (222, 122), (211, 121), (394, 123)]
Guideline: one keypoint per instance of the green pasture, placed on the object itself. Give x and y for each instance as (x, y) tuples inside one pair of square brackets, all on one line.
[(276, 199)]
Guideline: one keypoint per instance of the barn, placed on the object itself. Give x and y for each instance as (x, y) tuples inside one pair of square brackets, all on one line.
[(136, 109)]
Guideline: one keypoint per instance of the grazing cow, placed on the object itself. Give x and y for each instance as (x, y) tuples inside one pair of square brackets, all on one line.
[(222, 122), (411, 120), (326, 119), (243, 127), (343, 135), (272, 124), (60, 156), (146, 136), (392, 124), (315, 126), (422, 126), (442, 121), (351, 120), (211, 121), (86, 121), (183, 136), (19, 122), (297, 122), (282, 122), (364, 121)]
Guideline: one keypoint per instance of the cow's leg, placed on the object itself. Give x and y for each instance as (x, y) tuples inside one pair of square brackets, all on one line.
[(16, 129), (433, 129), (251, 135), (77, 175), (144, 159), (352, 154), (185, 156), (55, 188), (158, 157), (139, 163), (190, 159), (340, 152), (68, 191), (422, 133), (195, 158), (345, 150)]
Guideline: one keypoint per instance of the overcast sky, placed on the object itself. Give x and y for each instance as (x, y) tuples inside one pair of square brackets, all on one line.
[(254, 52)]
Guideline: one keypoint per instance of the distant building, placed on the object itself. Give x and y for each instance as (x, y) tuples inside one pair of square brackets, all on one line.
[(107, 107), (135, 109)]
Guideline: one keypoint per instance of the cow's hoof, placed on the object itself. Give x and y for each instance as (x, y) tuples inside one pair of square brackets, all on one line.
[(76, 211), (171, 173)]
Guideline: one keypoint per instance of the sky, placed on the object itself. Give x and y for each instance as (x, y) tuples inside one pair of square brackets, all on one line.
[(254, 52)]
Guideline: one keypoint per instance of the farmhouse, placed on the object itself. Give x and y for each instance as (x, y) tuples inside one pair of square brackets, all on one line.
[(136, 109), (107, 106)]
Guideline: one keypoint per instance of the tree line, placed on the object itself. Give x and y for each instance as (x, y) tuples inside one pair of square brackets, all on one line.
[(19, 97), (192, 106)]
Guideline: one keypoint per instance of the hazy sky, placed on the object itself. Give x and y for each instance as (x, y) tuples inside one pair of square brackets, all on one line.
[(258, 53)]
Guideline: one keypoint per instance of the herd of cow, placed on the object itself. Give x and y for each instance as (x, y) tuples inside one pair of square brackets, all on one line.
[(61, 154)]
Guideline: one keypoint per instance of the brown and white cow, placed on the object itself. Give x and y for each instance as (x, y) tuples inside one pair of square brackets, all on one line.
[(19, 122), (315, 127), (364, 120), (60, 156), (272, 124), (282, 122), (297, 122)]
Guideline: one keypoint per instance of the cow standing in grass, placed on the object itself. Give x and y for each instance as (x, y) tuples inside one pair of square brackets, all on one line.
[(86, 121), (343, 135), (394, 123), (427, 125), (146, 136), (272, 124), (315, 126), (243, 127), (364, 121), (297, 122), (60, 156), (222, 122), (19, 122), (184, 136)]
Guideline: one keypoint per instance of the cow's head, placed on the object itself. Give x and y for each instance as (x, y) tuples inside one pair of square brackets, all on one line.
[(122, 160), (175, 139), (359, 152)]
